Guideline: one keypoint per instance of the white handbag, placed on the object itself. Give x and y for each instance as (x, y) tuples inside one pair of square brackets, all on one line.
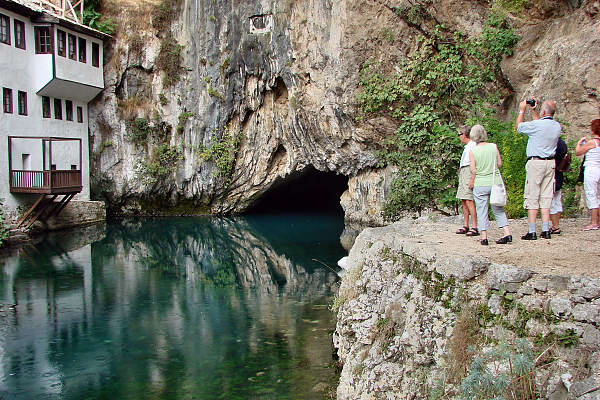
[(498, 195)]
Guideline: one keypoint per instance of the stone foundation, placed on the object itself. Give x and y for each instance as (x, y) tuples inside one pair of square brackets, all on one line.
[(76, 213)]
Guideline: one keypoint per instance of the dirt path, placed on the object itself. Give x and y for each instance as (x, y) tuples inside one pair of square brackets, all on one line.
[(573, 252)]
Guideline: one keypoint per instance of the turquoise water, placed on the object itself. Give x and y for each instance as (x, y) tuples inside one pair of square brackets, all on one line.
[(186, 308)]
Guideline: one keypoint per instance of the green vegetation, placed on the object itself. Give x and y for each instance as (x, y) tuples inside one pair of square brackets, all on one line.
[(161, 165), (222, 152), (388, 35), (169, 56), (164, 13), (101, 148), (4, 228), (446, 79), (434, 285), (465, 336), (502, 372), (163, 99), (138, 130), (169, 60), (509, 5), (183, 117), (225, 65), (93, 18), (214, 93)]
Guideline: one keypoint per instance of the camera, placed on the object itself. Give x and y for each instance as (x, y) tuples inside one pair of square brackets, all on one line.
[(530, 102)]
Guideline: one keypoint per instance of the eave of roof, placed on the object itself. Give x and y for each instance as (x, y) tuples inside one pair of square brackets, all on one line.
[(39, 15)]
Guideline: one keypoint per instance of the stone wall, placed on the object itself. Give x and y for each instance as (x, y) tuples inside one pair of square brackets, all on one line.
[(76, 213), (404, 308)]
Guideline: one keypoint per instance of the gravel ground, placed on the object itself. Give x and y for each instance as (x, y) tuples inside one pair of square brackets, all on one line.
[(573, 252)]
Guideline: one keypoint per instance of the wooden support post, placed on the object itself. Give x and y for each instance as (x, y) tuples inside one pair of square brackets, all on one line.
[(69, 198), (24, 217), (58, 206), (43, 208)]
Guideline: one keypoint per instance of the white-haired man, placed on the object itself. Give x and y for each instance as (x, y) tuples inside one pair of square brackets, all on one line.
[(543, 132)]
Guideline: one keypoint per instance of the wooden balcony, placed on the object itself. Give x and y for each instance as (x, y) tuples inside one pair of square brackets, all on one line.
[(45, 182), (41, 165)]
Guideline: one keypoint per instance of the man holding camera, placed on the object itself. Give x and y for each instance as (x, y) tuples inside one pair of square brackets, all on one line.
[(543, 133)]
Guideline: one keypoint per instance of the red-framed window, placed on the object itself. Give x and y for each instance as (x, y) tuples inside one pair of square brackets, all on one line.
[(95, 54), (19, 34), (82, 50), (4, 29), (22, 102), (61, 43), (72, 43), (45, 106), (69, 110), (7, 100), (43, 40), (57, 109)]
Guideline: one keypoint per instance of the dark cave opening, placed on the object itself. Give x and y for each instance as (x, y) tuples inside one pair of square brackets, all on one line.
[(307, 191)]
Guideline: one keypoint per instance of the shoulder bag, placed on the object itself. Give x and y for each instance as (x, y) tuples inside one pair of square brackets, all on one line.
[(498, 195)]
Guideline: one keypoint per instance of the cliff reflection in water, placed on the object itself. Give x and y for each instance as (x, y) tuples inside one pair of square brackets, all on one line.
[(172, 308)]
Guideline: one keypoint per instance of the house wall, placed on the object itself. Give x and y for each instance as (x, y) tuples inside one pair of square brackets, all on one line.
[(24, 70), (73, 70)]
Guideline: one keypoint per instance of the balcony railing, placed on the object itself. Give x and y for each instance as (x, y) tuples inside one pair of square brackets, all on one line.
[(45, 182)]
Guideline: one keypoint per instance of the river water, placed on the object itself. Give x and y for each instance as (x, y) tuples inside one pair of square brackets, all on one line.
[(172, 308)]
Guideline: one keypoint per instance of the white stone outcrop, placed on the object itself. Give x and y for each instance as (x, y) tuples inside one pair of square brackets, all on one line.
[(401, 297)]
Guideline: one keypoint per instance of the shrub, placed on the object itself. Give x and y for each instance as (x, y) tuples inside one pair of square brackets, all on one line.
[(169, 60), (222, 152), (163, 162), (164, 13), (163, 99), (502, 372), (183, 117), (93, 18), (138, 130), (214, 93), (443, 80)]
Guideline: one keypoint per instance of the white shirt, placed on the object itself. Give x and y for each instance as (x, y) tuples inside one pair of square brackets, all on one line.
[(465, 160)]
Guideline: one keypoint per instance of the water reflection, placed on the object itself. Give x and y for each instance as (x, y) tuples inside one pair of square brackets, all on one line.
[(172, 308)]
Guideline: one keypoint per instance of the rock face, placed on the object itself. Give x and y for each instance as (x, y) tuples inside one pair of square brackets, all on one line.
[(408, 311), (274, 83)]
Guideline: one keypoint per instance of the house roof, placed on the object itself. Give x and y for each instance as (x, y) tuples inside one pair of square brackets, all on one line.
[(38, 14)]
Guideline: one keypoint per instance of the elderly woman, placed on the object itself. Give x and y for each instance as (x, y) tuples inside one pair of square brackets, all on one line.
[(591, 173), (484, 158)]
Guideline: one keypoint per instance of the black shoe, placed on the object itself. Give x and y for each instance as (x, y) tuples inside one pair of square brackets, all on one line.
[(484, 242), (530, 236), (545, 235), (505, 239)]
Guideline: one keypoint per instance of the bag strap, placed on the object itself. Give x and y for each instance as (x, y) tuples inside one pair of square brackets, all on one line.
[(495, 163)]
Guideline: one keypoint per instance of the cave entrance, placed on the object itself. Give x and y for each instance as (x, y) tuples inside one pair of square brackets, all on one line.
[(307, 191)]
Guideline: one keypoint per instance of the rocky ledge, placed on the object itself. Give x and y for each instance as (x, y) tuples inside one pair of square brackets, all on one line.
[(416, 320)]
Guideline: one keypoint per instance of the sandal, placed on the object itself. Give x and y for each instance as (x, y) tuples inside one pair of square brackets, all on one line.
[(473, 232), (555, 231), (463, 230), (591, 228)]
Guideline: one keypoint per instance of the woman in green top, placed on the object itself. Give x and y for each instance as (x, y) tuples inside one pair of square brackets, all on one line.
[(484, 158)]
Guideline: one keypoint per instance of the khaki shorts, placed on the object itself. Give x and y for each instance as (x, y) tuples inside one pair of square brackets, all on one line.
[(463, 192), (539, 184)]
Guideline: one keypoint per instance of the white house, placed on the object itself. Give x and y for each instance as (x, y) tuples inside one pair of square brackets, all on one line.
[(51, 66)]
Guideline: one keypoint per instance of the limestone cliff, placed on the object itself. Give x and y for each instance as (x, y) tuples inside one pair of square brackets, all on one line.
[(413, 317), (210, 104)]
